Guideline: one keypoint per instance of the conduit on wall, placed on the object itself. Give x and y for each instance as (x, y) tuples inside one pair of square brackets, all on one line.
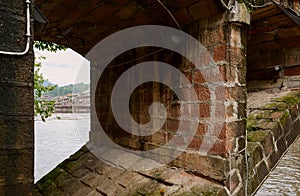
[(28, 35)]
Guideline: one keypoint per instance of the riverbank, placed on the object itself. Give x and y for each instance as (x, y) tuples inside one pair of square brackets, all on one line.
[(266, 145), (272, 126), (285, 178)]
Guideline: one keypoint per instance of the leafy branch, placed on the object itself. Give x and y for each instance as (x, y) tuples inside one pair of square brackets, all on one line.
[(49, 46), (42, 107)]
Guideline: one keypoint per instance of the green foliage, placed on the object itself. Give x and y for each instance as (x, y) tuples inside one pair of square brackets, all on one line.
[(51, 47), (42, 107), (68, 89)]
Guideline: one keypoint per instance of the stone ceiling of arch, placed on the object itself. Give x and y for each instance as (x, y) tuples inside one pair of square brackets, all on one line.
[(82, 24), (272, 29)]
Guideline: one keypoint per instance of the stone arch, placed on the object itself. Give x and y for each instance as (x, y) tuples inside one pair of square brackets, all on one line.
[(79, 26)]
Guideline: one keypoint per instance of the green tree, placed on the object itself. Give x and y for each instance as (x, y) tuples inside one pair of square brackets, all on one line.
[(51, 47), (42, 107)]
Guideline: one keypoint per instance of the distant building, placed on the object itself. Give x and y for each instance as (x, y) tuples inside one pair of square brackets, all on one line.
[(73, 103)]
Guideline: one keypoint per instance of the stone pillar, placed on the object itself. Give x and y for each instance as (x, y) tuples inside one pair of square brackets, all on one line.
[(16, 102), (224, 36)]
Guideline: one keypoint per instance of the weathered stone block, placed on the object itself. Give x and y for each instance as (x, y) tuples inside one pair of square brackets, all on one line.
[(253, 184), (291, 136), (16, 100), (262, 171), (17, 189), (16, 167), (12, 39), (17, 69), (17, 133), (264, 137), (255, 154), (213, 167)]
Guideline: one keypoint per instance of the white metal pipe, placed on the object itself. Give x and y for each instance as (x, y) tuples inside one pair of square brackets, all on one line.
[(28, 35)]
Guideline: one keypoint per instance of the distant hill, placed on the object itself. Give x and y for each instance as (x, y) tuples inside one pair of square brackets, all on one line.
[(69, 89), (46, 83)]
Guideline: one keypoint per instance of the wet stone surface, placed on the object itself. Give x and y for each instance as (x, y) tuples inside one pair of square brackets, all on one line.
[(285, 178)]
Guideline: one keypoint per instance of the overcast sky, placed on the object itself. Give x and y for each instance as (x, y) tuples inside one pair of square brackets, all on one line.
[(64, 67)]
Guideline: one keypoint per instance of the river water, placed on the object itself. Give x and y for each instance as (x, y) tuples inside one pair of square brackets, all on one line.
[(56, 140)]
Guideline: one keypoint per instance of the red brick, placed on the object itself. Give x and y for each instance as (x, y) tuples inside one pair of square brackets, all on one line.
[(220, 53), (203, 93), (175, 110), (189, 76), (198, 77), (220, 111), (201, 130), (294, 71), (195, 143), (219, 148), (204, 110), (237, 55), (186, 66), (221, 129)]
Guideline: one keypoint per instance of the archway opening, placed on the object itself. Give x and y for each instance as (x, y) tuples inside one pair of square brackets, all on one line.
[(67, 129)]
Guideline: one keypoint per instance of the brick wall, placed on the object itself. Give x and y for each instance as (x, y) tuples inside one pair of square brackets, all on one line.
[(16, 103), (225, 161)]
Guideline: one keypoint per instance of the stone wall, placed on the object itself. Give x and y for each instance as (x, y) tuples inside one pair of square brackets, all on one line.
[(16, 103), (271, 129), (273, 47), (225, 161)]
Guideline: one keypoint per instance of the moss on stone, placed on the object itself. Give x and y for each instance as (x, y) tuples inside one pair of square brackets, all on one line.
[(147, 189), (37, 193), (53, 174), (251, 124), (256, 136), (79, 153), (251, 146), (251, 127), (284, 117), (205, 191), (290, 99), (71, 163), (276, 106), (261, 116), (47, 186)]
